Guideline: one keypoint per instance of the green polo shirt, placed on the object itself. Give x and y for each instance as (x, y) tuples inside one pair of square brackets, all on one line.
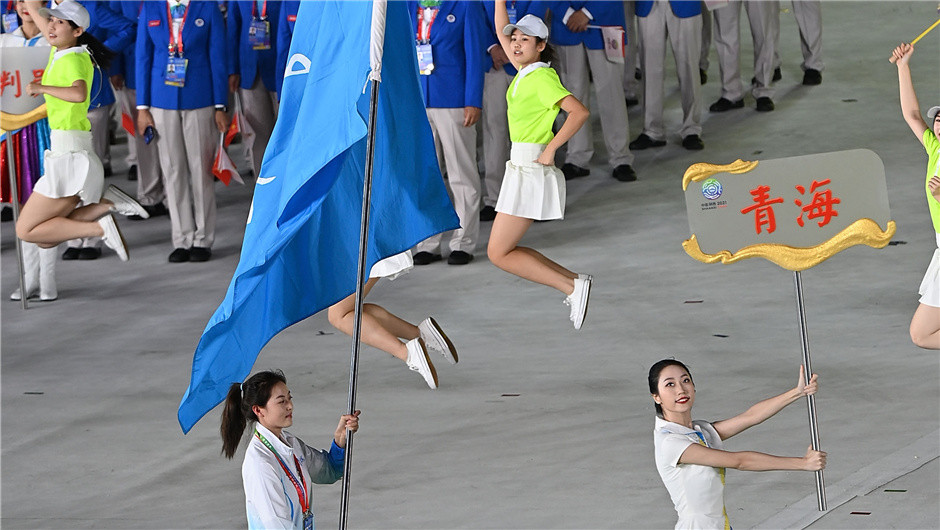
[(64, 68), (932, 146), (533, 105)]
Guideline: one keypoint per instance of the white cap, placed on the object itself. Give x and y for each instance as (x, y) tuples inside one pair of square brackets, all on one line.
[(932, 113), (68, 10), (531, 25)]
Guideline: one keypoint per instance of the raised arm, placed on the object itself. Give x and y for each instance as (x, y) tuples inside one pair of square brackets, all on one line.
[(33, 6), (752, 460), (910, 108), (765, 409), (500, 21)]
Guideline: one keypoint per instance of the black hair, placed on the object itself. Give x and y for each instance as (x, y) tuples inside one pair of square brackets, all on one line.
[(656, 369), (100, 54), (548, 55), (239, 402)]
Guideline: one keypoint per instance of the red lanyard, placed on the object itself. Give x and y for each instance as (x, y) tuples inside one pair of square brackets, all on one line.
[(422, 36), (10, 5), (302, 485), (178, 45), (254, 10)]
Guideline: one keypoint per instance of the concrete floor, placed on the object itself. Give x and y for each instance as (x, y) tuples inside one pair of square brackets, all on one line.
[(539, 426)]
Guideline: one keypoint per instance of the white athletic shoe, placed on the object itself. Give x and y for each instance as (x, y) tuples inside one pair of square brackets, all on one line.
[(112, 236), (419, 361), (124, 204), (578, 300), (435, 339)]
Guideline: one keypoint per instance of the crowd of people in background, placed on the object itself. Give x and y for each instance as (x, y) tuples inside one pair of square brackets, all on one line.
[(228, 55)]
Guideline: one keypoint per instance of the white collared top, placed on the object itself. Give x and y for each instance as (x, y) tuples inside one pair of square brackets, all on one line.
[(271, 500), (696, 491)]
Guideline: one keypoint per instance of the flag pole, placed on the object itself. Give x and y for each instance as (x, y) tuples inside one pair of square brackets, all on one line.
[(810, 400), (375, 54), (15, 203)]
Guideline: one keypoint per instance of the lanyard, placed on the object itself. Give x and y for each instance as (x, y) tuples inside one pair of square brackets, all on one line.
[(178, 44), (10, 5), (254, 10), (301, 486), (424, 34)]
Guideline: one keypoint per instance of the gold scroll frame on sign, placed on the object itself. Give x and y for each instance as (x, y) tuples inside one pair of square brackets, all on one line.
[(12, 122), (861, 232)]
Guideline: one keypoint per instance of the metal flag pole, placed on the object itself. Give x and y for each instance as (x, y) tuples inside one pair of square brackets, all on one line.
[(810, 400), (377, 43), (15, 202)]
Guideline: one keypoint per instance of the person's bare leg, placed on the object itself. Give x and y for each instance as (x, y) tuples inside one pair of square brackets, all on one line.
[(342, 317), (925, 327), (45, 221), (396, 326), (527, 263), (91, 212)]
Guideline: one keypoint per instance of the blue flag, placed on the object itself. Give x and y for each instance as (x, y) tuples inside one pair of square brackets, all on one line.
[(301, 249)]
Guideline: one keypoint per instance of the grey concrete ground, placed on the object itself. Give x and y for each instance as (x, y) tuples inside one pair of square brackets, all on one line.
[(539, 426)]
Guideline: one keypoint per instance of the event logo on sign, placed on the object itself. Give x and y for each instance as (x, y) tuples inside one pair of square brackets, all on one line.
[(711, 189)]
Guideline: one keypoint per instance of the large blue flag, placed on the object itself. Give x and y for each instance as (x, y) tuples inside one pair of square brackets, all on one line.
[(300, 253)]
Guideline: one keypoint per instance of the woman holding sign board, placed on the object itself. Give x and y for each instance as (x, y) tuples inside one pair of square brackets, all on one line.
[(925, 326), (689, 454)]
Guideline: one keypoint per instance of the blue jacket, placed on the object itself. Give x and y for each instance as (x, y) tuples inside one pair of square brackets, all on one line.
[(115, 32), (204, 47), (604, 13), (125, 62), (523, 8), (285, 31), (458, 45), (244, 60), (680, 8)]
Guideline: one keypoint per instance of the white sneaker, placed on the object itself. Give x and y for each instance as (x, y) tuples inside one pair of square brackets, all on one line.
[(17, 295), (578, 300), (419, 361), (124, 204), (435, 338), (112, 236)]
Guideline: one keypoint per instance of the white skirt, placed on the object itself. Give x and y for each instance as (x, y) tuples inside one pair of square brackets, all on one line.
[(930, 286), (71, 168), (530, 189), (392, 267)]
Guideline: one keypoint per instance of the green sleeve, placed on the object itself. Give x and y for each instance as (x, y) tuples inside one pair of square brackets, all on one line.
[(551, 90)]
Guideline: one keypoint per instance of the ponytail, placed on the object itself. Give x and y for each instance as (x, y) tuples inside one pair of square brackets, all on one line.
[(239, 402), (100, 54), (548, 55)]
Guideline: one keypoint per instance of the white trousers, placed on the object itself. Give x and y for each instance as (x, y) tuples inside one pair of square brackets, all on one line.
[(455, 146), (186, 142)]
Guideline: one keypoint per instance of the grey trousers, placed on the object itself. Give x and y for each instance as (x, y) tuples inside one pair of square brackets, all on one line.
[(575, 64), (495, 133), (808, 15), (685, 36), (260, 108), (150, 189), (760, 14), (186, 142), (455, 146), (631, 87)]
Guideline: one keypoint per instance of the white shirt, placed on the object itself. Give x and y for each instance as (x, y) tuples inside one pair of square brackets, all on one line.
[(271, 500), (696, 491)]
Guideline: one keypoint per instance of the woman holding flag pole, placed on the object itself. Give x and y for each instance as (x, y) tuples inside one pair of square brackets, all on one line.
[(279, 468), (533, 188)]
